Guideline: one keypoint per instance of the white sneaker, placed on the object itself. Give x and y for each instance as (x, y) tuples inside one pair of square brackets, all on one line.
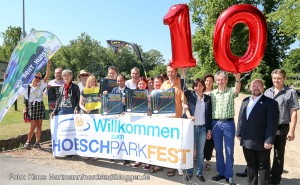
[(180, 172)]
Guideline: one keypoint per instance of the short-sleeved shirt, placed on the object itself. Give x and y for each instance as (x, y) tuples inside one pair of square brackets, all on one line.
[(223, 103), (36, 93), (178, 95), (287, 99), (130, 84), (54, 83)]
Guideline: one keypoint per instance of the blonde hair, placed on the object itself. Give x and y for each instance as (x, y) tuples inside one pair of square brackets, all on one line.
[(90, 79)]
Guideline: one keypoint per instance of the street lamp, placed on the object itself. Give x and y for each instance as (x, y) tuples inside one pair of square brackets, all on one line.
[(24, 19)]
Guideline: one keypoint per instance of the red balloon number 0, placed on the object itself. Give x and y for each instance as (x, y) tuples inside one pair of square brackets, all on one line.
[(178, 20), (256, 22)]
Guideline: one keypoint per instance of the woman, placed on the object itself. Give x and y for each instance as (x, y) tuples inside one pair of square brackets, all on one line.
[(150, 82), (91, 83), (200, 112), (157, 82), (82, 77), (36, 106), (209, 144), (69, 95), (142, 84)]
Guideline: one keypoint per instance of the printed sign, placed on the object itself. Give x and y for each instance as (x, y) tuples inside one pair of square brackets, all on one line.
[(107, 85), (163, 102), (112, 104), (92, 98), (136, 101), (167, 142)]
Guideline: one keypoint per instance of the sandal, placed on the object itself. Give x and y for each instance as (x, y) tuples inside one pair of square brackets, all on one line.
[(171, 173), (155, 169), (37, 146), (27, 145), (207, 167)]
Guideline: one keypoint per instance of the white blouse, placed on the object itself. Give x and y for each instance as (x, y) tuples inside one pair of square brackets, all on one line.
[(36, 93)]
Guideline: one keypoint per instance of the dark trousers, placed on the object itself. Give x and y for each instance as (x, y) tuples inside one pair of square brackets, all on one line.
[(258, 166), (279, 150), (208, 149)]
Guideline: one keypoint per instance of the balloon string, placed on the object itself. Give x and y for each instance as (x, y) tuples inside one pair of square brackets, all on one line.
[(245, 76)]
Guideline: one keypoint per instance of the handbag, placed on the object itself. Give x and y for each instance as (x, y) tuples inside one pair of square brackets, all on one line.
[(26, 116)]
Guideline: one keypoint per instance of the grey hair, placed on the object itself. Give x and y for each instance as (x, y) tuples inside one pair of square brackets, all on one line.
[(221, 73), (67, 72)]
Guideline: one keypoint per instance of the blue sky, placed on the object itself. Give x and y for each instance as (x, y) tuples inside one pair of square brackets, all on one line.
[(134, 21)]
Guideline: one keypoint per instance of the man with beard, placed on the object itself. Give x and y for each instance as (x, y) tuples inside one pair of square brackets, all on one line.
[(257, 125)]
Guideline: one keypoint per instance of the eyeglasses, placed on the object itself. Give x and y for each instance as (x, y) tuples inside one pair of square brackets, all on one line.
[(38, 77), (85, 75)]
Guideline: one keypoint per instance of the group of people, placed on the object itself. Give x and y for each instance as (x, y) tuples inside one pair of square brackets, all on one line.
[(265, 119)]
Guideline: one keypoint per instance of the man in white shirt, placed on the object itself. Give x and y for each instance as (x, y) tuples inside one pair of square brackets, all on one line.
[(135, 75), (256, 130)]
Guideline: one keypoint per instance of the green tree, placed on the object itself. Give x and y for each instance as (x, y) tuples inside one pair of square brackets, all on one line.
[(205, 14), (288, 15), (292, 67), (11, 37), (82, 53)]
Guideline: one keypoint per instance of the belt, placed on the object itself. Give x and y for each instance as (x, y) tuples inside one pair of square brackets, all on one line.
[(199, 126), (223, 120), (283, 126)]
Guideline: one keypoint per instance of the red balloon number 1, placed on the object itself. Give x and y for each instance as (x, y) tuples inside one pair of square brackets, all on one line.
[(178, 20)]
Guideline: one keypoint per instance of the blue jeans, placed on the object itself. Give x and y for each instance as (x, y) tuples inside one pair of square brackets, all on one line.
[(199, 141), (224, 130), (63, 111)]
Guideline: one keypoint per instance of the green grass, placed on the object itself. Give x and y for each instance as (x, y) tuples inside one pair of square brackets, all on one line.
[(13, 125)]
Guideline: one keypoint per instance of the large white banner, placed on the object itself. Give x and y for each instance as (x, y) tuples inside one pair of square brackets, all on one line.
[(160, 141)]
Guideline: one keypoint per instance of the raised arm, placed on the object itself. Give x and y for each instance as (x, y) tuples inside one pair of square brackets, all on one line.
[(237, 82), (47, 72)]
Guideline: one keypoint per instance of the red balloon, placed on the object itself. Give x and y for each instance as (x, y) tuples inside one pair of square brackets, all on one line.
[(255, 20), (178, 20)]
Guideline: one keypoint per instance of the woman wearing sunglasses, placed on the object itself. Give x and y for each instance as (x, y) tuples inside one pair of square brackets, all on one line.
[(36, 106)]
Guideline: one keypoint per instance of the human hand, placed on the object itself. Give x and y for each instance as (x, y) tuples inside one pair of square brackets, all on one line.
[(267, 146), (237, 76), (290, 136), (208, 135), (52, 114)]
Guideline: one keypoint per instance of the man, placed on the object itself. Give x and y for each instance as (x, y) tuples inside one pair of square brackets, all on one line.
[(174, 82), (223, 124), (257, 125), (135, 75), (58, 80), (112, 72), (121, 83), (288, 106)]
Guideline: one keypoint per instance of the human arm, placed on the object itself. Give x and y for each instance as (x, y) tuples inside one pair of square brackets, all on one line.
[(77, 98), (237, 86), (81, 104), (48, 72), (240, 119), (291, 133)]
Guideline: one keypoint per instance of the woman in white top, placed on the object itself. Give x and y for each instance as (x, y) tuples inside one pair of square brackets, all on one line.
[(36, 106)]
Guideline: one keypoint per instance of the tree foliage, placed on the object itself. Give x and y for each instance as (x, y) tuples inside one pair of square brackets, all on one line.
[(292, 67), (205, 14), (288, 14), (87, 53), (11, 37)]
